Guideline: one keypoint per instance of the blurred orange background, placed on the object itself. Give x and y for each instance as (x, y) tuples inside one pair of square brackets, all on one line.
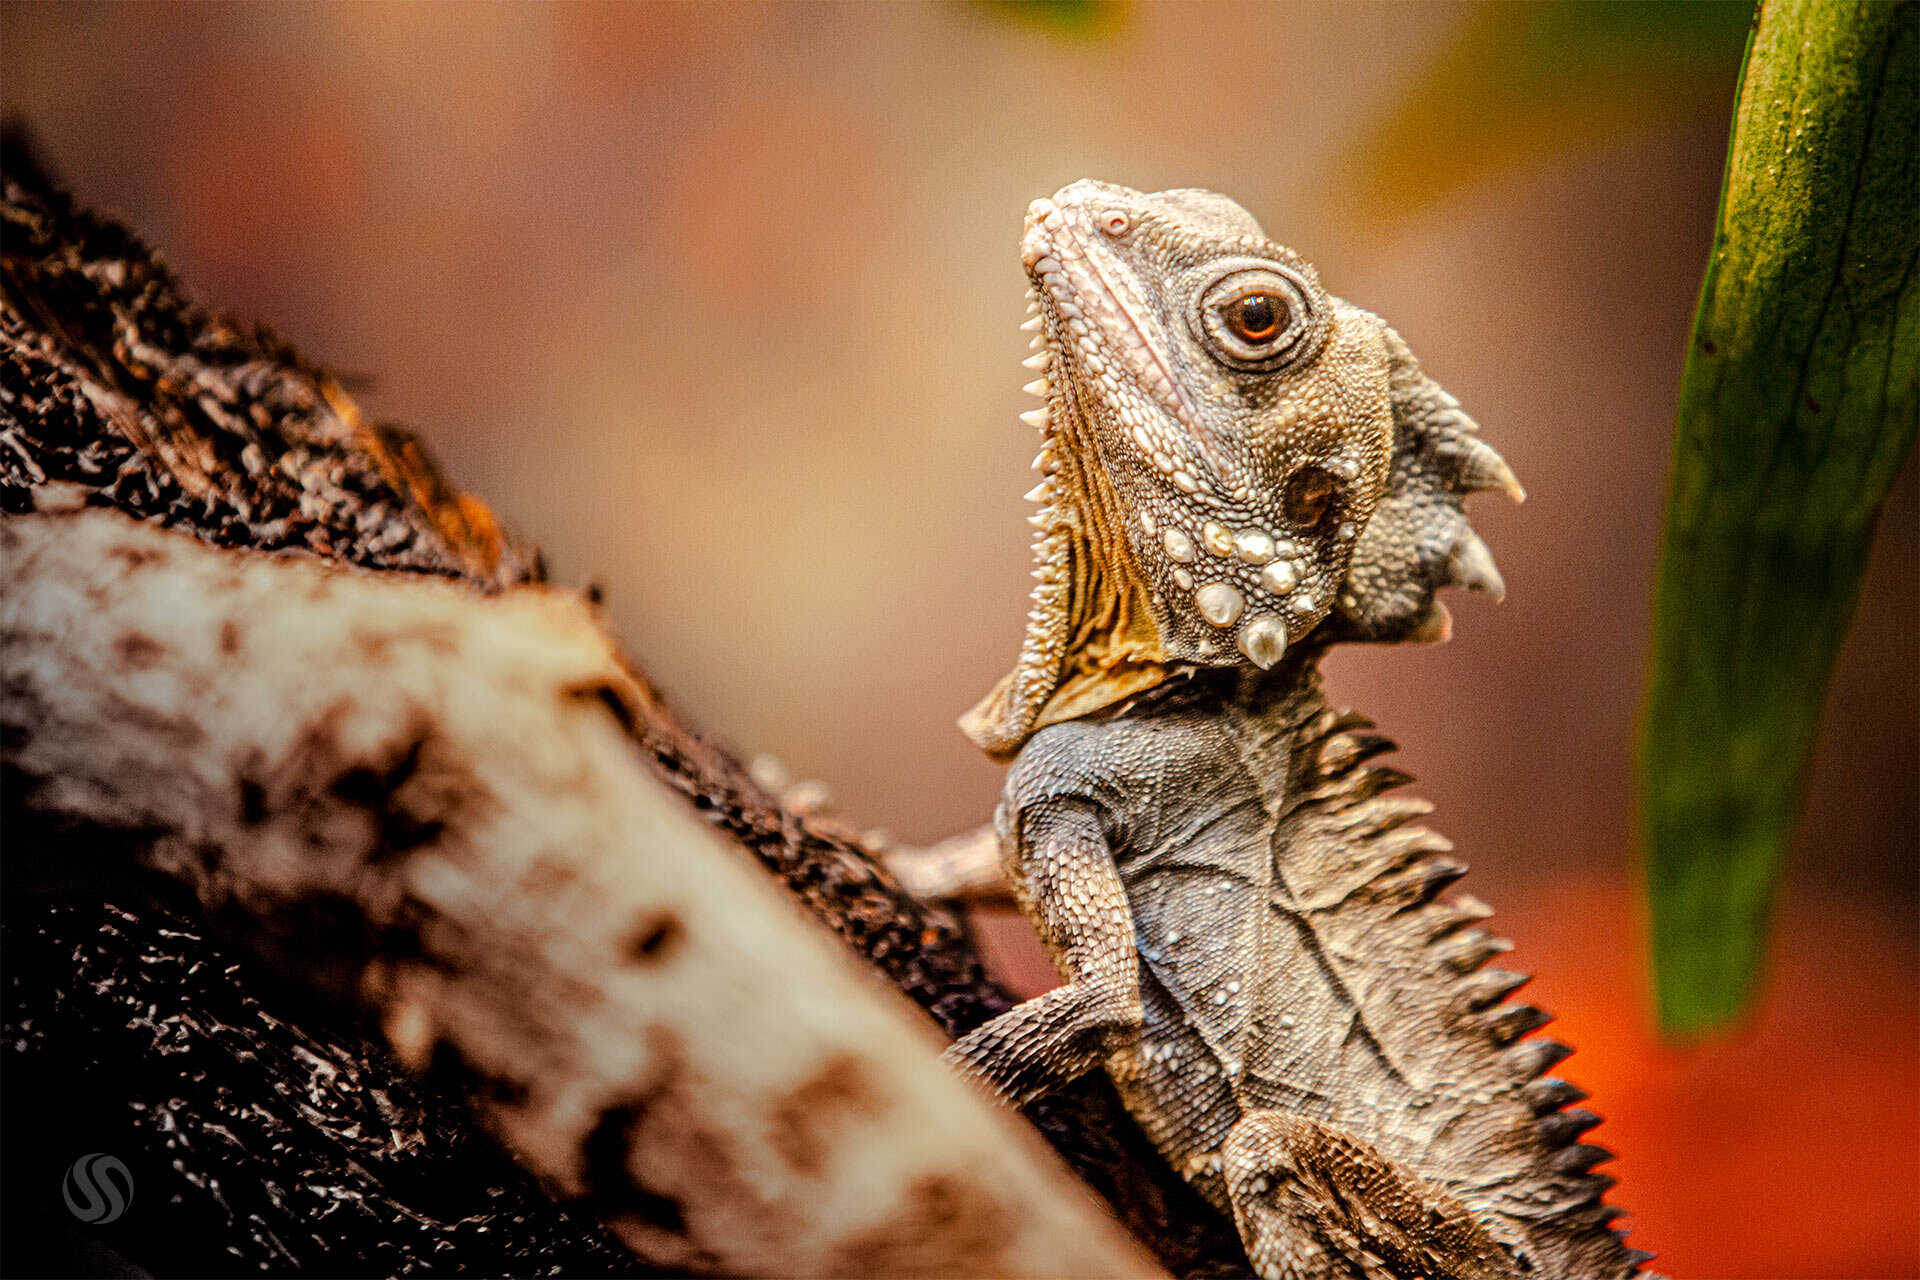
[(718, 304)]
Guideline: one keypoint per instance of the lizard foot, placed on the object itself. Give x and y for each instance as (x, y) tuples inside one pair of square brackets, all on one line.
[(1312, 1203)]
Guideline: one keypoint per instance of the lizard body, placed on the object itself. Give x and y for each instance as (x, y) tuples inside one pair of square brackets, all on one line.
[(1239, 470)]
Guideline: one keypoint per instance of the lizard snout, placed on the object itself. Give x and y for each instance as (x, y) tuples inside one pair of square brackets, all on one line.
[(1035, 242)]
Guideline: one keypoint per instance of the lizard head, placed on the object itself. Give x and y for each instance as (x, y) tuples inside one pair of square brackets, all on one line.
[(1231, 456)]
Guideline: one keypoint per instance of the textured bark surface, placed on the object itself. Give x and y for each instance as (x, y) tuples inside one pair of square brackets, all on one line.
[(114, 392), (257, 1144), (446, 821)]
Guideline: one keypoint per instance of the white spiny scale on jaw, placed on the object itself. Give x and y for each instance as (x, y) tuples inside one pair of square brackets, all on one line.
[(1264, 640)]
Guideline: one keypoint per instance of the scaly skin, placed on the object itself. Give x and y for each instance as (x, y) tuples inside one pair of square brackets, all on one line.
[(1241, 469)]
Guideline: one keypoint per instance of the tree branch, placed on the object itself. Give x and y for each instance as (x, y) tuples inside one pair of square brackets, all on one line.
[(426, 803)]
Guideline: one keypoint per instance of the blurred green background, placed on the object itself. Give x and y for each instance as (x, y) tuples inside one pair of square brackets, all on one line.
[(719, 303)]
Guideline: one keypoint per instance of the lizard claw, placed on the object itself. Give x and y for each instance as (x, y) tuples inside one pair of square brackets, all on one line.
[(1264, 641)]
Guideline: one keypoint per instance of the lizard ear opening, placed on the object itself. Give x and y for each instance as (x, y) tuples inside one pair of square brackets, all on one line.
[(1419, 539)]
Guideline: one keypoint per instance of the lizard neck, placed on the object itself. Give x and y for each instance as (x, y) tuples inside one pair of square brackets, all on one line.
[(1091, 640)]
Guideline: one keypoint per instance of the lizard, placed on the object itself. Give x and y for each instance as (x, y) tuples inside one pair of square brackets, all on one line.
[(1255, 939)]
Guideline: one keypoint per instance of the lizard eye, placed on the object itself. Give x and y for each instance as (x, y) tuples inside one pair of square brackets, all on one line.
[(1256, 317), (1255, 320)]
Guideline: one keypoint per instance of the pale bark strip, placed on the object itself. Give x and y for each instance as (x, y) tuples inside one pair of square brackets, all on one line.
[(444, 779)]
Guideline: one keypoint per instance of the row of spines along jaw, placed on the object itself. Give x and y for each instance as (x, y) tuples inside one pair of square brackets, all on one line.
[(1045, 641)]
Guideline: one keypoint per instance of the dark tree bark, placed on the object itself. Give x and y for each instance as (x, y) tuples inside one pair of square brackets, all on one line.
[(258, 1144), (272, 1130)]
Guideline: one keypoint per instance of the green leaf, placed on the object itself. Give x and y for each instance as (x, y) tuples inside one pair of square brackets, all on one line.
[(1798, 407)]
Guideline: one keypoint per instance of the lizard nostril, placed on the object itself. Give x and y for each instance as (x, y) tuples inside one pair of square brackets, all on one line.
[(1115, 224)]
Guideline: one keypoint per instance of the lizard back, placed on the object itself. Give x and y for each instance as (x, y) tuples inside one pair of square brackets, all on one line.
[(1295, 954)]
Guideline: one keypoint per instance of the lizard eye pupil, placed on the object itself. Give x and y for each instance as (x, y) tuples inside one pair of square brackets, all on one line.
[(1257, 317)]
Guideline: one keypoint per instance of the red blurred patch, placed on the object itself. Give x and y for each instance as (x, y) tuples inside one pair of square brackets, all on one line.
[(616, 52), (267, 171), (776, 199), (1791, 1149)]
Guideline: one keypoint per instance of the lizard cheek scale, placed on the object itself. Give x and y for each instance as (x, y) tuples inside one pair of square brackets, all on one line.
[(1238, 470)]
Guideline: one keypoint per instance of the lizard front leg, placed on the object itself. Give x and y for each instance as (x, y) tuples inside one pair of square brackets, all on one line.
[(1066, 881), (1312, 1203)]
